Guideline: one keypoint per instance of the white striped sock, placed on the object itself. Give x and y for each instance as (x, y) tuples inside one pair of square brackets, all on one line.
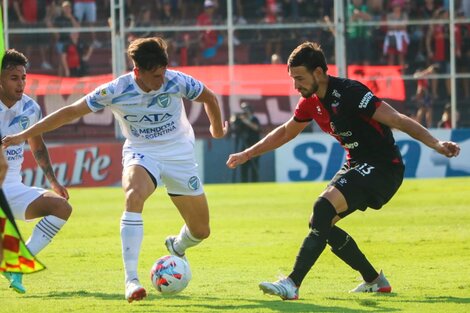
[(132, 233), (43, 233)]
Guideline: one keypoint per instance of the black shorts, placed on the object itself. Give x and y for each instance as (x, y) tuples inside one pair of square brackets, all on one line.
[(370, 184)]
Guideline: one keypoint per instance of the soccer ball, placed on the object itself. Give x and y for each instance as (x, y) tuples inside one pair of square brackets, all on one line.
[(170, 274)]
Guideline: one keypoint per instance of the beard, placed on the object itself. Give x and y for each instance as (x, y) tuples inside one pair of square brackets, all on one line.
[(307, 93)]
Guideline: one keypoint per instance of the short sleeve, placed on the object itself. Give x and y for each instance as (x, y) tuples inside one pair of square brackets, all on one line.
[(99, 98), (191, 88), (363, 100)]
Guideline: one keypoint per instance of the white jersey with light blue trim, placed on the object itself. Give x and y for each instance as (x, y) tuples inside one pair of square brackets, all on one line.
[(155, 121), (25, 113)]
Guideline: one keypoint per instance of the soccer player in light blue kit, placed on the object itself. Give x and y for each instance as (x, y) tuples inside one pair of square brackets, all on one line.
[(159, 147), (18, 112)]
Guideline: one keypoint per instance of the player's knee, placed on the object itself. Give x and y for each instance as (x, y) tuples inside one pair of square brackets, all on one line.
[(134, 198), (201, 232), (62, 209), (323, 213)]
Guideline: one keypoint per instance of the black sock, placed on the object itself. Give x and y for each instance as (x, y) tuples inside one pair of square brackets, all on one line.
[(315, 242), (347, 250)]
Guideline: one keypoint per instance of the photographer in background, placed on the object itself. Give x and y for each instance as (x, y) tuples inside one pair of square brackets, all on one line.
[(246, 130)]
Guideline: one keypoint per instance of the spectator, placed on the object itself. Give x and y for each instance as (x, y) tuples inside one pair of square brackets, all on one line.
[(65, 20), (85, 12), (438, 47), (423, 96), (76, 55), (359, 36), (210, 39), (34, 13), (396, 40)]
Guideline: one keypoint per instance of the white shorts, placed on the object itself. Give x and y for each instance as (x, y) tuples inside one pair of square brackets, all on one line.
[(180, 176), (20, 196)]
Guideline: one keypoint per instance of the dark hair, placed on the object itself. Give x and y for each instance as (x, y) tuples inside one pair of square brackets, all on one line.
[(13, 58), (148, 53), (308, 54)]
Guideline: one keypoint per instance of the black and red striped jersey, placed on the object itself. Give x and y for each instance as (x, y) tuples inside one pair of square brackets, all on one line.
[(346, 114)]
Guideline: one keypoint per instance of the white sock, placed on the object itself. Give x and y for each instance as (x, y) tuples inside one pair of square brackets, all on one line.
[(185, 240), (132, 233), (43, 233)]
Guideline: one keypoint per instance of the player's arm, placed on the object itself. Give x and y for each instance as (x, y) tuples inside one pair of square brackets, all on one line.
[(276, 138), (387, 115), (55, 120), (211, 105), (3, 167), (41, 155)]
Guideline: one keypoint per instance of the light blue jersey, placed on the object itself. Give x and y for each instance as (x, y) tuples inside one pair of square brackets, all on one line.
[(25, 113), (151, 121)]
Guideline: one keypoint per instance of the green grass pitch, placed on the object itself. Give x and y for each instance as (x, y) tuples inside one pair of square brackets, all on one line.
[(420, 239)]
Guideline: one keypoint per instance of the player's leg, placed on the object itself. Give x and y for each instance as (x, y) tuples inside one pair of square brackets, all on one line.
[(325, 210), (364, 186), (138, 185), (187, 193), (195, 212), (344, 247), (29, 203), (55, 211)]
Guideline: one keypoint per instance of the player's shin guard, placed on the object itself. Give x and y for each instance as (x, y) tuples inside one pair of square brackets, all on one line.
[(315, 242), (132, 233), (185, 240), (43, 233), (347, 250)]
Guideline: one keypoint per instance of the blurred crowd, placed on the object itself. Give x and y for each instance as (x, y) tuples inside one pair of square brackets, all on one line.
[(379, 32)]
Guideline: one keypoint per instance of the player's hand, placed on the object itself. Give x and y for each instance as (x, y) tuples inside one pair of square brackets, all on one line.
[(60, 190), (13, 140), (448, 148), (220, 133), (237, 159)]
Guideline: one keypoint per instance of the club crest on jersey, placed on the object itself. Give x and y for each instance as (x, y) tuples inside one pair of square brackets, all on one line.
[(103, 92), (163, 100), (194, 183), (134, 131), (24, 122)]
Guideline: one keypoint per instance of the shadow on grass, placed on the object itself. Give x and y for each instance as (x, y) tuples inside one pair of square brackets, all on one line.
[(270, 305)]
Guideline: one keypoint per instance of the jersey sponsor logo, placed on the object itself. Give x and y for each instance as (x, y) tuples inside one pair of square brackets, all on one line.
[(163, 100), (156, 118), (365, 100), (14, 154), (193, 183), (319, 110), (24, 122), (152, 133), (336, 94), (351, 145), (345, 134)]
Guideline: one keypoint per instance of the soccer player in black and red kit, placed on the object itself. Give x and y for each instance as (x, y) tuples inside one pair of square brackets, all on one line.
[(373, 172)]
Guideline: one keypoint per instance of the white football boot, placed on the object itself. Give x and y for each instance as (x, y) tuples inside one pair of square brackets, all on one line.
[(284, 288), (169, 242), (380, 284), (135, 291)]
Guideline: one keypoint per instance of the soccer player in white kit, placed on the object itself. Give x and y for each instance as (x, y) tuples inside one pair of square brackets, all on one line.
[(159, 147), (17, 113)]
